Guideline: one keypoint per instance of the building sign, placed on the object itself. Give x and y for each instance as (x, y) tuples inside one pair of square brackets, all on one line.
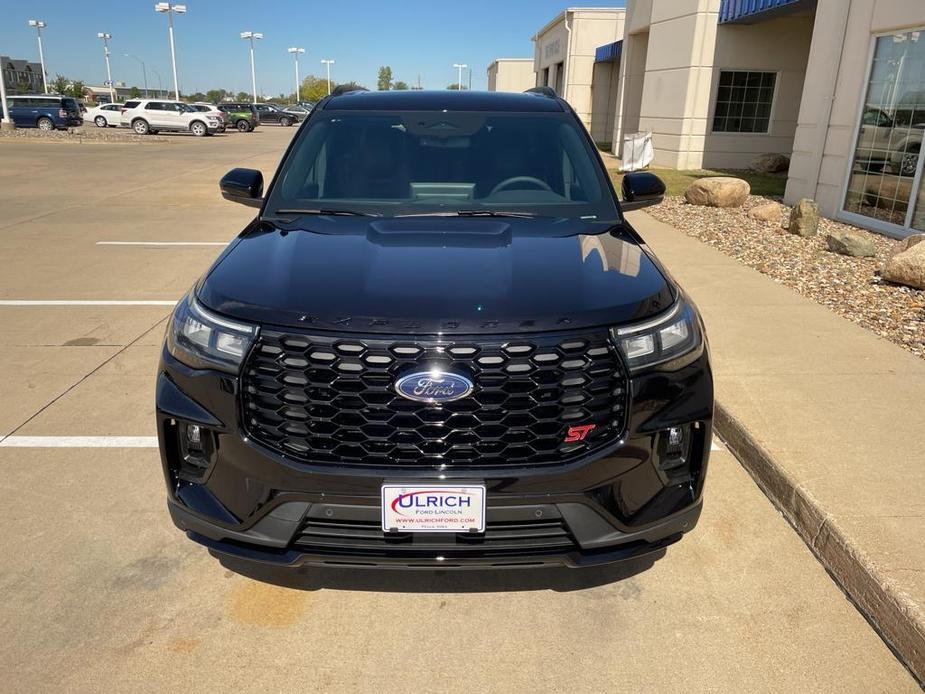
[(552, 48)]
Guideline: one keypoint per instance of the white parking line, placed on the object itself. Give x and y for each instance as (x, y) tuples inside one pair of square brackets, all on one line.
[(79, 442), (81, 302), (161, 243)]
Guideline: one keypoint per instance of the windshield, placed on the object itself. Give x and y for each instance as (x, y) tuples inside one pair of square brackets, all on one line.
[(433, 162)]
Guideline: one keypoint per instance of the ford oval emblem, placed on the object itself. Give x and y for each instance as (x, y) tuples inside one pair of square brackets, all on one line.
[(433, 386)]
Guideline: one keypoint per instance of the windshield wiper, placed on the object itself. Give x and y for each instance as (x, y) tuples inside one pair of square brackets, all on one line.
[(325, 211), (472, 213)]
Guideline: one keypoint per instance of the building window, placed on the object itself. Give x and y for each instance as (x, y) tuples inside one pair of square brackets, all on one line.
[(882, 183), (560, 74), (743, 101), (545, 77)]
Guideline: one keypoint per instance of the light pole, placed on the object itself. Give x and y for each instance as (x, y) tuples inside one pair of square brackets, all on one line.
[(6, 123), (160, 84), (39, 25), (169, 10), (298, 85), (105, 36), (251, 36), (144, 72), (459, 67), (328, 63)]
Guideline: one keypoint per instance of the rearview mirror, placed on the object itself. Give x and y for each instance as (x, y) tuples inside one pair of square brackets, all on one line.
[(244, 186), (641, 189)]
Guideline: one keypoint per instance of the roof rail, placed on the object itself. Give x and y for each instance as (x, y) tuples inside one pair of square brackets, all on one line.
[(347, 89), (543, 91)]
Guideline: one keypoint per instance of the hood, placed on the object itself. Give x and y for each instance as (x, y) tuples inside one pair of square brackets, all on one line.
[(435, 276)]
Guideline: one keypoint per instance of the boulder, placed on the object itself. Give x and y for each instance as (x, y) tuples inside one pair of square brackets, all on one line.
[(717, 191), (770, 163), (907, 243), (851, 243), (907, 267), (768, 212), (804, 218)]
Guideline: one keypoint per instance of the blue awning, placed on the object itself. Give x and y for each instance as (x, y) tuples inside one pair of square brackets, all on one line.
[(608, 52), (745, 11)]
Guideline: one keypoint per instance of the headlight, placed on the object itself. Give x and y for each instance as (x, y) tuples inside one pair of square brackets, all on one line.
[(663, 339), (203, 340)]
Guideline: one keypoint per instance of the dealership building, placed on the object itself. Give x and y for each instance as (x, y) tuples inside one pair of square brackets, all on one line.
[(836, 85), (511, 75)]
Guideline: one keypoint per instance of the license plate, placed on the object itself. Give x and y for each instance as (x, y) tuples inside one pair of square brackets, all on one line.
[(433, 508)]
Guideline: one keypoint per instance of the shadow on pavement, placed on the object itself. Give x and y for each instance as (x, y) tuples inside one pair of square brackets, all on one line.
[(436, 581)]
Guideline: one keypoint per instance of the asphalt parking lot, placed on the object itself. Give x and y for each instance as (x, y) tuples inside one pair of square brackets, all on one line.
[(100, 592)]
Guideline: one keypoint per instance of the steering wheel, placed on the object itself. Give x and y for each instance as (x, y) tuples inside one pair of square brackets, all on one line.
[(508, 182)]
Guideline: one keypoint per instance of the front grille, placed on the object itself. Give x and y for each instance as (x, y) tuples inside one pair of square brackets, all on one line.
[(366, 538), (323, 398)]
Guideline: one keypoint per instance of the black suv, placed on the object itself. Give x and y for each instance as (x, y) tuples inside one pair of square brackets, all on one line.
[(272, 113), (439, 344)]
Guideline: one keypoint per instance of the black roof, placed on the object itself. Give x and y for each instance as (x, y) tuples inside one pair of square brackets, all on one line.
[(450, 100)]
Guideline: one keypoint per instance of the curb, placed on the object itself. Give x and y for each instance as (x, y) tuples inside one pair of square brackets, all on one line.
[(898, 620)]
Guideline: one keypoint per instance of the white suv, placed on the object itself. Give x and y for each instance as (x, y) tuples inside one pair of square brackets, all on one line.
[(150, 115)]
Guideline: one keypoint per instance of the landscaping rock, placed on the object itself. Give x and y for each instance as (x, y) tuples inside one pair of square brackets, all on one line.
[(769, 212), (907, 267), (717, 191), (908, 243), (804, 218), (770, 163), (849, 243)]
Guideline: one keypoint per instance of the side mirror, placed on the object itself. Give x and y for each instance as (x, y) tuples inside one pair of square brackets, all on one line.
[(244, 186), (641, 189)]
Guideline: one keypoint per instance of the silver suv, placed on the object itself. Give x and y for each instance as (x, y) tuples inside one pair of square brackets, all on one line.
[(151, 115)]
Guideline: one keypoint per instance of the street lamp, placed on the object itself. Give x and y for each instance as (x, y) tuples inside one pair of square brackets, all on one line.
[(103, 35), (298, 85), (170, 10), (459, 67), (328, 63), (144, 72), (39, 25), (251, 36)]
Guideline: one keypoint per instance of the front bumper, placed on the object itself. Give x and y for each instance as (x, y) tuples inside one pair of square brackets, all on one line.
[(613, 504)]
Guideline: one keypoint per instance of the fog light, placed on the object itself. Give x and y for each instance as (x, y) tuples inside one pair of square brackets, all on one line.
[(675, 437)]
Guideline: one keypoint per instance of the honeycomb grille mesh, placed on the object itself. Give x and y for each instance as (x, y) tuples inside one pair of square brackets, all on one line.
[(331, 399)]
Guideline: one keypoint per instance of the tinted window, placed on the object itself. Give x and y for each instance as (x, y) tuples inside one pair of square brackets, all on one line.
[(70, 105), (414, 163), (131, 104)]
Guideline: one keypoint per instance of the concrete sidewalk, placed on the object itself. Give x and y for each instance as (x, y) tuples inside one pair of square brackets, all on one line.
[(829, 419)]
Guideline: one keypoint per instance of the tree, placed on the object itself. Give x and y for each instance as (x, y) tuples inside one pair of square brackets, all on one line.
[(384, 83), (76, 89), (314, 89), (134, 93), (215, 96), (243, 96), (59, 85), (197, 96), (400, 85), (456, 86)]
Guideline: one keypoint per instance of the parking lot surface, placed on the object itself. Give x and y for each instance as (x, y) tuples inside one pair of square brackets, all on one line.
[(100, 592)]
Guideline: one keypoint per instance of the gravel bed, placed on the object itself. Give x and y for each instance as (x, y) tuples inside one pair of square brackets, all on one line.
[(849, 286), (82, 135)]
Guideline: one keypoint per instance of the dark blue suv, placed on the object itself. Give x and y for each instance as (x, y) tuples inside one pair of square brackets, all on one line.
[(44, 111)]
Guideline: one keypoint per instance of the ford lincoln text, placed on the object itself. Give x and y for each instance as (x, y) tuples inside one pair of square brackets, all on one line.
[(439, 344)]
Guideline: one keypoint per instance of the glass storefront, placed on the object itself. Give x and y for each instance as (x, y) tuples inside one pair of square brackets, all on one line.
[(885, 180)]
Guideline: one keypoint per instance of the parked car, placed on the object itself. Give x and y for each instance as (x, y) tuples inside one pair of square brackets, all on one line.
[(272, 113), (242, 117), (104, 116), (153, 115), (885, 144), (300, 111), (214, 110), (439, 344), (44, 111)]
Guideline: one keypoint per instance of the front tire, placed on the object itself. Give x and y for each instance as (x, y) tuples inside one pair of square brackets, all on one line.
[(198, 128), (100, 122), (45, 123), (285, 122), (140, 126), (243, 126), (909, 162)]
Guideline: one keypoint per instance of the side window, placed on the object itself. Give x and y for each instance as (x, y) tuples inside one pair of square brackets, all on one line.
[(154, 106)]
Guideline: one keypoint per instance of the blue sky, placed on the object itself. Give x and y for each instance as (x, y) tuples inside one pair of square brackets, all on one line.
[(415, 37)]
